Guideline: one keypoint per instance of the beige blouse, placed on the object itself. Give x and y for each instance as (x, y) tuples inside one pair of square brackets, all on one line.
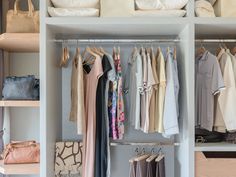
[(161, 90), (77, 92), (152, 108)]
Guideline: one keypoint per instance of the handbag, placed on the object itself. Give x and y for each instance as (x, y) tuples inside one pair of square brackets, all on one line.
[(28, 20), (21, 88), (118, 8), (20, 152), (225, 8), (68, 160)]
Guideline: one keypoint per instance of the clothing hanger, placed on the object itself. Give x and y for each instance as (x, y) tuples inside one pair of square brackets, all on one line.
[(90, 59), (201, 50), (175, 53), (152, 157), (160, 156), (65, 56), (218, 50), (142, 157), (95, 50), (233, 51), (137, 154)]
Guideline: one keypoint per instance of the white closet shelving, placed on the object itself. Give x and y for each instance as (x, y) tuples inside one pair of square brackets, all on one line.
[(187, 29)]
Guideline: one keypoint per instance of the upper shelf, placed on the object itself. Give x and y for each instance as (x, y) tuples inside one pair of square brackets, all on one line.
[(19, 42), (19, 103), (19, 169)]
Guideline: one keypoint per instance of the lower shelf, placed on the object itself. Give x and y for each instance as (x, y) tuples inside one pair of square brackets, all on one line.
[(215, 147), (19, 169), (19, 103)]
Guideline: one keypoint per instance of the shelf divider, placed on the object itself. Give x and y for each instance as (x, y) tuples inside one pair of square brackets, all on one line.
[(19, 169), (19, 103)]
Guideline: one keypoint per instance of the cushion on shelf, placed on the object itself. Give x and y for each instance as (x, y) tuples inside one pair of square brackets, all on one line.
[(160, 4), (204, 9), (160, 13), (76, 3), (64, 12)]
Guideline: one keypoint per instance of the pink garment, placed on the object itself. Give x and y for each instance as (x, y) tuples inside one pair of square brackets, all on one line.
[(90, 84)]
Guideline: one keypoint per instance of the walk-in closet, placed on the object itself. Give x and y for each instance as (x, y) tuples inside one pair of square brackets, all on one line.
[(127, 88)]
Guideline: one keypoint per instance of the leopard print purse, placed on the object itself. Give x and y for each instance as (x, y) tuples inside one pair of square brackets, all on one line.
[(68, 160)]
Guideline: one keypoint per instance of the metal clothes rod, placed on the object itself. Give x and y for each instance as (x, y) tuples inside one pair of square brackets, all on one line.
[(86, 41), (215, 40), (144, 144)]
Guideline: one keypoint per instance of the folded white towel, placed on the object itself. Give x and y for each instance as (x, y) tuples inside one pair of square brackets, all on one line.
[(76, 3), (81, 12)]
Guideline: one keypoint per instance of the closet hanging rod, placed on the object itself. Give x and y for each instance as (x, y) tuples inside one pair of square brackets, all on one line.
[(87, 41), (144, 144), (215, 40)]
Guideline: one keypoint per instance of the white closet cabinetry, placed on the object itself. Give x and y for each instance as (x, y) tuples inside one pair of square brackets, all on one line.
[(53, 90)]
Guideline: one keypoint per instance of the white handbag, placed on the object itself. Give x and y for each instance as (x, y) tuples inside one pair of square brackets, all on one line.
[(225, 8), (73, 12), (117, 8), (204, 8), (76, 3), (160, 4)]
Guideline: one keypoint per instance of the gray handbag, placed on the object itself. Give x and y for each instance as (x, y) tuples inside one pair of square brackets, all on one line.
[(21, 88)]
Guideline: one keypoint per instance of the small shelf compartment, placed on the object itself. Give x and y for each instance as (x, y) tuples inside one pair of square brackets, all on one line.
[(19, 42), (215, 147), (19, 103), (19, 169)]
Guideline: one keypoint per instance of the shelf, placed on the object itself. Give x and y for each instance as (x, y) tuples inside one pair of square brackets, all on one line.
[(116, 27), (215, 147), (19, 169), (20, 42), (20, 103)]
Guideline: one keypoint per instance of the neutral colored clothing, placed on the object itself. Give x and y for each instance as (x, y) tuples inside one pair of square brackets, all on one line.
[(133, 88), (153, 111), (161, 92), (141, 168), (111, 76), (148, 91), (151, 168), (209, 82), (132, 170), (90, 85), (227, 99), (170, 121), (143, 94), (160, 169), (233, 60), (77, 93), (101, 131)]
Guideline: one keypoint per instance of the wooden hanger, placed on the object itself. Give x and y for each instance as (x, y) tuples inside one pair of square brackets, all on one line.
[(219, 49), (95, 50), (65, 57), (90, 59), (200, 51), (160, 157), (151, 158), (233, 51), (142, 157)]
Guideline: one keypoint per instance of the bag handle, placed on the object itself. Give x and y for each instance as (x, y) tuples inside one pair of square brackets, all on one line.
[(30, 7)]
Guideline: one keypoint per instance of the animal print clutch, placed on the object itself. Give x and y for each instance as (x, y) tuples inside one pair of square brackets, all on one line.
[(68, 161)]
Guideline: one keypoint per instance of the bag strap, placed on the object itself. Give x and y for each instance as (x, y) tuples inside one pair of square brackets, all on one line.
[(30, 7)]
